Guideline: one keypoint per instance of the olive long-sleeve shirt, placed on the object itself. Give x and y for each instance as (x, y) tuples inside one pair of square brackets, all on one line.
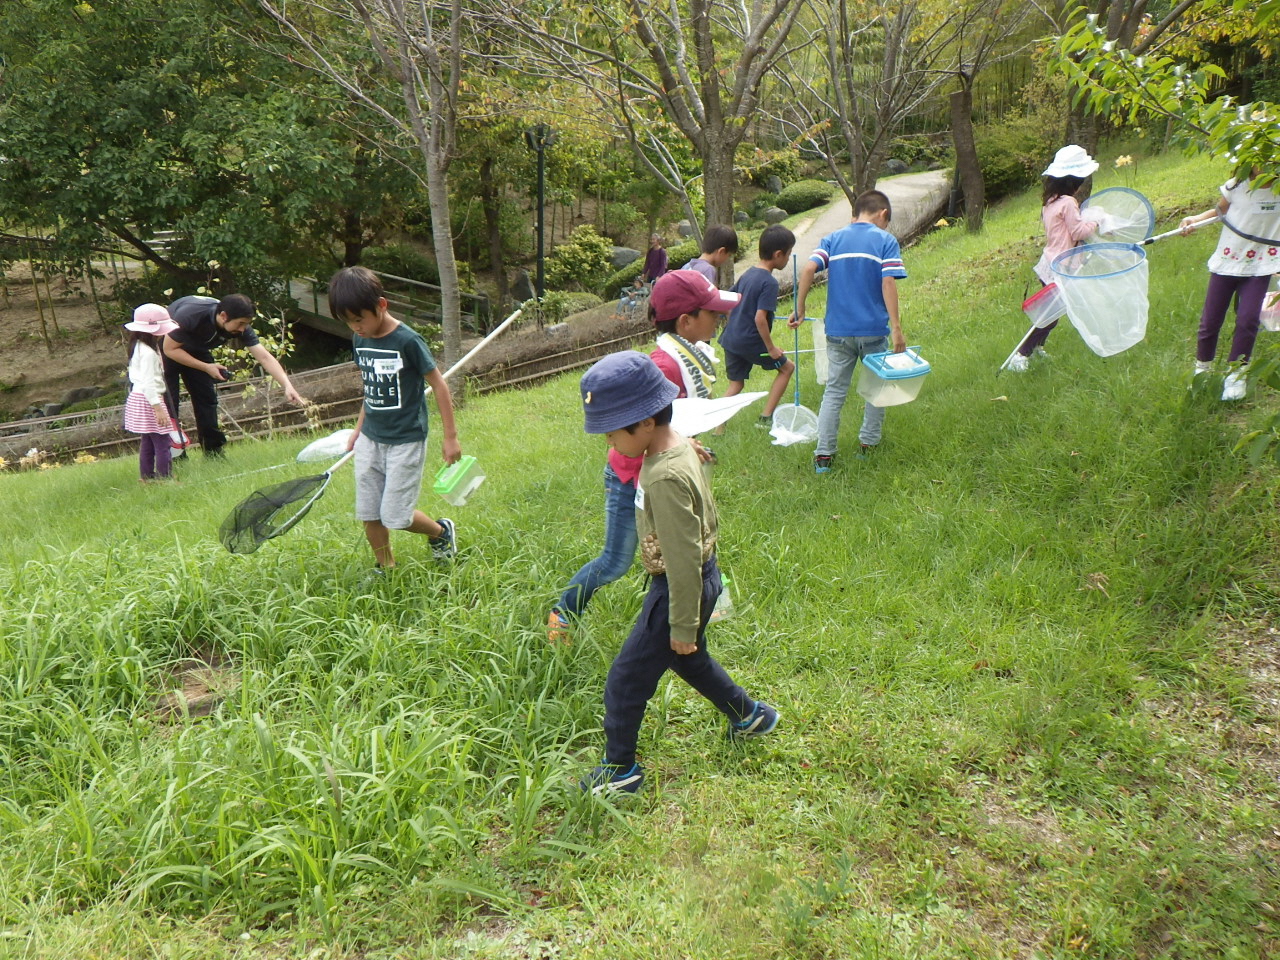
[(677, 527)]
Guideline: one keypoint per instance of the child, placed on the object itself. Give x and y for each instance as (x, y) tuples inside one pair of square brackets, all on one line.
[(686, 309), (626, 398), (145, 411), (719, 246), (863, 263), (1063, 229), (747, 338), (390, 436), (1247, 255)]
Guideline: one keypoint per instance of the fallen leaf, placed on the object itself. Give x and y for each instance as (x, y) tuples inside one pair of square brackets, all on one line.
[(998, 399)]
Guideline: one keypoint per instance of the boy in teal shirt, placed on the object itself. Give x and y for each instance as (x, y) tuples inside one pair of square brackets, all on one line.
[(390, 437)]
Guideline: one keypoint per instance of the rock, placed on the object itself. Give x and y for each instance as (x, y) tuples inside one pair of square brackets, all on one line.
[(774, 215), (741, 217), (557, 330), (50, 409), (521, 287), (684, 228), (78, 394), (894, 166), (773, 183), (621, 256)]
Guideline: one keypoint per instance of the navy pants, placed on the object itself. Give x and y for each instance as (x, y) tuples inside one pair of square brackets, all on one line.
[(647, 655), (204, 402)]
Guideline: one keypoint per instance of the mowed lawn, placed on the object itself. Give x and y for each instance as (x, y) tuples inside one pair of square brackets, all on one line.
[(1023, 655)]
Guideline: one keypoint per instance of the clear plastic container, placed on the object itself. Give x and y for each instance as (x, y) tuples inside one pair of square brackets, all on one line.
[(889, 379), (457, 481)]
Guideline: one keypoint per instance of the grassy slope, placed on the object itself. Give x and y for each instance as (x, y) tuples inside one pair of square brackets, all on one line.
[(1018, 655)]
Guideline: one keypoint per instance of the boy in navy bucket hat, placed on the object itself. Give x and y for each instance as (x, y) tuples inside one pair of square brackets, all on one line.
[(627, 398)]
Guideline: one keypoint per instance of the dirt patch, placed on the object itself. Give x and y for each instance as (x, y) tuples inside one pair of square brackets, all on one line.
[(74, 347), (196, 685)]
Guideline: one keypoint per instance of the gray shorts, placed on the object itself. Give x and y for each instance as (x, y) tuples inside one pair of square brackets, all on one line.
[(388, 481)]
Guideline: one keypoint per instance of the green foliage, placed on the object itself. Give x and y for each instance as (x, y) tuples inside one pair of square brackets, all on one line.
[(1011, 155), (580, 260), (622, 221), (402, 260), (804, 195), (756, 165), (923, 151), (233, 147)]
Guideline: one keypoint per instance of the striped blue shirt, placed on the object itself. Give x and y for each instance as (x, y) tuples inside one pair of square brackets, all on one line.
[(857, 258)]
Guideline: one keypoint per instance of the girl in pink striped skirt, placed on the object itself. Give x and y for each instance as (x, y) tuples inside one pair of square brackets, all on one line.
[(144, 410)]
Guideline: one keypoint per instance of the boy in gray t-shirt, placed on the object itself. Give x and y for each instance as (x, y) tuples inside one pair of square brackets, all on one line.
[(390, 437)]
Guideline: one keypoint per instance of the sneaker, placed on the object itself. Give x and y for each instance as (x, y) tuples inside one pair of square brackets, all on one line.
[(864, 449), (613, 778), (764, 423), (822, 463), (1017, 364), (557, 627), (1202, 366), (1042, 353), (445, 547), (1234, 386), (762, 720)]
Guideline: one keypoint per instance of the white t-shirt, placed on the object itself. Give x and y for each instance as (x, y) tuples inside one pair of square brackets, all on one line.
[(1255, 212)]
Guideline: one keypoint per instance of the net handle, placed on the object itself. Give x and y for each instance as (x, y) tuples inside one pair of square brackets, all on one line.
[(466, 358)]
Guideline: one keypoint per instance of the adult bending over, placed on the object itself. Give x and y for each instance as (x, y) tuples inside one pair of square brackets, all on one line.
[(205, 323)]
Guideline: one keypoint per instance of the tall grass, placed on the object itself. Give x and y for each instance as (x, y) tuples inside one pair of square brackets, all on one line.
[(1012, 651)]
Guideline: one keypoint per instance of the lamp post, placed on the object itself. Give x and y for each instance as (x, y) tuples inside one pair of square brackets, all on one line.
[(539, 138)]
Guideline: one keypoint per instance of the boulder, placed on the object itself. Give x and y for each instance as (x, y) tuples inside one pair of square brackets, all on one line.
[(773, 183), (522, 287), (741, 216), (50, 409), (78, 394), (774, 215), (621, 256), (685, 229), (894, 166)]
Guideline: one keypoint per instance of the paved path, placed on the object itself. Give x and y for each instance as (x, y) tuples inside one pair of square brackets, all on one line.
[(916, 198)]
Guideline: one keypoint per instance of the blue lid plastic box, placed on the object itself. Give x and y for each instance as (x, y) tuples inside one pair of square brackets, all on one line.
[(888, 379)]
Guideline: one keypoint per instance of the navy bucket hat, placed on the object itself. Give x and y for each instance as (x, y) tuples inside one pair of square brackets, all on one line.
[(622, 389)]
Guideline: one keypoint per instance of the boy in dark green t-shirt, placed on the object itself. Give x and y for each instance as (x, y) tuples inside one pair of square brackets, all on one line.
[(390, 436)]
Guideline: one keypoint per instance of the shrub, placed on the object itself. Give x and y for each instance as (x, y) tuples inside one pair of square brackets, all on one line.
[(559, 304), (402, 260), (804, 195), (620, 221), (755, 165), (1011, 156), (677, 257), (580, 260)]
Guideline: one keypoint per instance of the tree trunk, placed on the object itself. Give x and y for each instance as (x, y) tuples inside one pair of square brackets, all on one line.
[(491, 203), (1082, 128), (717, 187), (352, 237), (442, 241), (967, 157)]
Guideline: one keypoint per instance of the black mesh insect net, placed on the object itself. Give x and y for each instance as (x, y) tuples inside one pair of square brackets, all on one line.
[(269, 512)]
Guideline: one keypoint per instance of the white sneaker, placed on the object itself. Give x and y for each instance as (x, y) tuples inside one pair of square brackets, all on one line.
[(1042, 353), (1017, 364), (1202, 366), (1234, 386)]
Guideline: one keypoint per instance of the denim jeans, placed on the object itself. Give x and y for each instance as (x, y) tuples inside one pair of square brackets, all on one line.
[(647, 655), (619, 549), (843, 354)]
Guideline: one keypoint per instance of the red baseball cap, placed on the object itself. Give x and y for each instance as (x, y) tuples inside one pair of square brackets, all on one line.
[(687, 291)]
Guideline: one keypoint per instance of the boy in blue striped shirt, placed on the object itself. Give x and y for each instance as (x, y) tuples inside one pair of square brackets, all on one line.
[(863, 263)]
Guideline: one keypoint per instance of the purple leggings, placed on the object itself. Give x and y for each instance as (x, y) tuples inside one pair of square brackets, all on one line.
[(1249, 293), (154, 455)]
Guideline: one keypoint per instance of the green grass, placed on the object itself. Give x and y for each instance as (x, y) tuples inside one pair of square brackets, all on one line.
[(1023, 657)]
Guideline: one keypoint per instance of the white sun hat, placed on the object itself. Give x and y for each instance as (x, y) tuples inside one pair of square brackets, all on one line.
[(1071, 161)]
